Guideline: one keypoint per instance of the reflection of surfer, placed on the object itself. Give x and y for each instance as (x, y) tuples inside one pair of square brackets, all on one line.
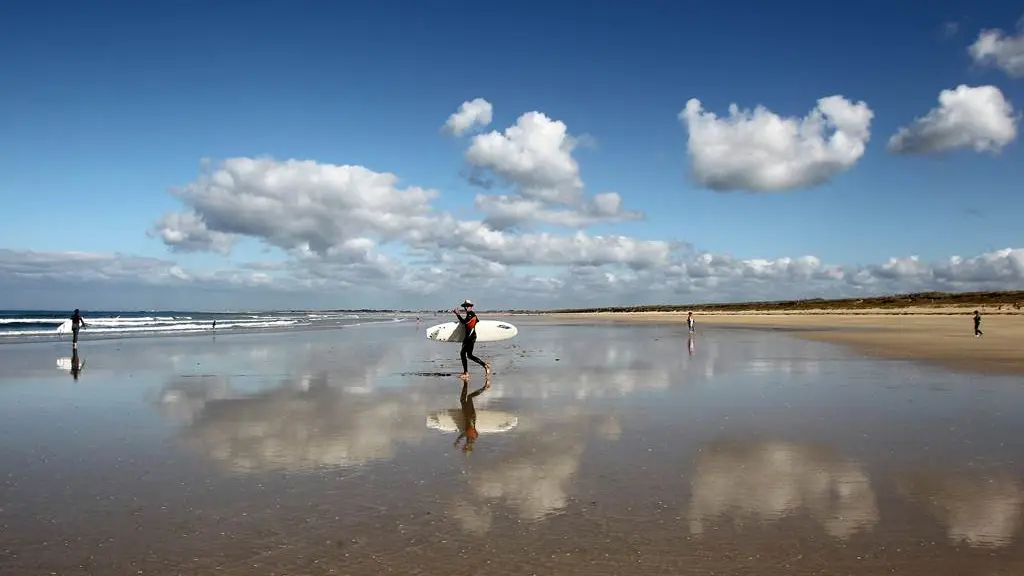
[(77, 323), (689, 344), (469, 341), (76, 364), (469, 414)]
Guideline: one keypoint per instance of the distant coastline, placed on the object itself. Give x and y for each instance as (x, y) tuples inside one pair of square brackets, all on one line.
[(934, 327), (1003, 302)]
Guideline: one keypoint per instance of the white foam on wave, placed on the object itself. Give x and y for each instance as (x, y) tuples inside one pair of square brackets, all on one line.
[(158, 320), (96, 328), (54, 321), (141, 325), (103, 320)]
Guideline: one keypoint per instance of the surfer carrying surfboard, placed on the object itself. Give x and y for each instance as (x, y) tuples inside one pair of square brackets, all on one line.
[(469, 321), (77, 323)]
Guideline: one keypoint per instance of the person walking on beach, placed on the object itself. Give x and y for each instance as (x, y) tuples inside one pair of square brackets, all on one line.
[(469, 341), (689, 322), (77, 323), (469, 414), (977, 324)]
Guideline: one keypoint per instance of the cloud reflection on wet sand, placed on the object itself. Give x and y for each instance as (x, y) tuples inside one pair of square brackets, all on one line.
[(771, 480), (627, 454), (306, 429), (981, 510), (534, 477)]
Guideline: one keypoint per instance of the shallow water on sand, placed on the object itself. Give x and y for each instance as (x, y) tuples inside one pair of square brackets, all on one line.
[(610, 449)]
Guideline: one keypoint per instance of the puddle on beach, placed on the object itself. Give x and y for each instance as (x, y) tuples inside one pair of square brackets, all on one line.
[(606, 449)]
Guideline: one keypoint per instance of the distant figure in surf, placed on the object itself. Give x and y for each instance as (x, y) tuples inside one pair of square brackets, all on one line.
[(77, 323), (977, 324), (689, 322), (469, 414), (469, 321), (214, 327)]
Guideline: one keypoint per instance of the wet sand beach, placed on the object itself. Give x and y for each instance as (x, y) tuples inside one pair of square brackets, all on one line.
[(604, 448), (933, 335)]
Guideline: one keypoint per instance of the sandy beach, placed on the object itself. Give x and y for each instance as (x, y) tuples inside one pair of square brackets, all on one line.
[(604, 448), (926, 334)]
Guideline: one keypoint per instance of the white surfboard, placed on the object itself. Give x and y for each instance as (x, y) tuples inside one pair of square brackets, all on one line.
[(65, 327), (487, 421), (486, 331), (65, 363)]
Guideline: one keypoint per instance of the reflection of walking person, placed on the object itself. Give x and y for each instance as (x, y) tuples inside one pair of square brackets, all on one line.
[(977, 324), (469, 414), (76, 363), (77, 323), (469, 341)]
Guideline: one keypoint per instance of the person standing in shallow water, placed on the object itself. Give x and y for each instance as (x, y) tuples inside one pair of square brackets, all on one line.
[(77, 323), (977, 324), (689, 321), (469, 341)]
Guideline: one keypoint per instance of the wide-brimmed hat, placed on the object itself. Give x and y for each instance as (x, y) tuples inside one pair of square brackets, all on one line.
[(467, 303)]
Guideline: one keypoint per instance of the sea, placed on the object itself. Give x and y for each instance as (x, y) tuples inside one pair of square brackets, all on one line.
[(41, 325)]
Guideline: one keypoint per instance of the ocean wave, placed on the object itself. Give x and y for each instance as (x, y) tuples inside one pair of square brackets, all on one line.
[(159, 320), (60, 320), (33, 327)]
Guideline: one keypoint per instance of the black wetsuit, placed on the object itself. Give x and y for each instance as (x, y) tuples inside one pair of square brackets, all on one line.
[(469, 341), (977, 325), (76, 325)]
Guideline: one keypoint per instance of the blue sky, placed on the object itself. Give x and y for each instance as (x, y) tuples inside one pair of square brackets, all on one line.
[(108, 105)]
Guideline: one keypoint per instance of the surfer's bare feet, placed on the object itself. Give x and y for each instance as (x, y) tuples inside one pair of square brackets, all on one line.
[(464, 376), (487, 369)]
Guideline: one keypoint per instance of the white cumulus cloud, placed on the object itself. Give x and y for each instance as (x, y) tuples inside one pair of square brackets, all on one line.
[(293, 204), (1000, 50), (471, 113), (509, 211), (535, 270), (186, 232), (535, 159), (342, 226), (344, 223), (979, 118), (534, 155), (347, 235), (761, 151)]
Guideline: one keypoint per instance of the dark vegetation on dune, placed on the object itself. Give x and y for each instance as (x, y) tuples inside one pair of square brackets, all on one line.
[(1005, 301)]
